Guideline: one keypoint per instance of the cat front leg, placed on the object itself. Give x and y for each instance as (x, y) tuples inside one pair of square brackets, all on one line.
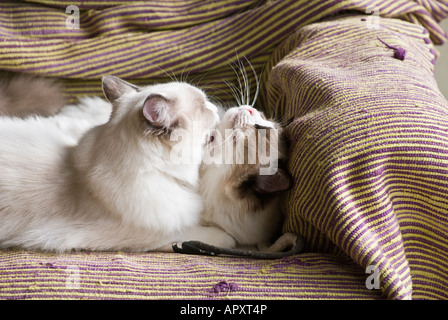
[(212, 235), (286, 241)]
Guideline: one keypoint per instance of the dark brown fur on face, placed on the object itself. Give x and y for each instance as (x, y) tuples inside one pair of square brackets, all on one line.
[(238, 197), (245, 183), (260, 194), (22, 95)]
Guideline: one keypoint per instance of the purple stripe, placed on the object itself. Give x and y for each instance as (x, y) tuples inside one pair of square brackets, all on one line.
[(428, 229), (214, 62), (362, 155), (427, 249), (254, 45), (17, 20), (332, 198), (83, 6), (42, 32), (338, 133), (377, 202), (185, 37), (369, 294), (424, 266), (393, 170), (371, 218), (126, 56), (412, 184), (150, 10), (117, 13), (246, 20), (349, 243), (382, 135), (401, 151), (424, 213)]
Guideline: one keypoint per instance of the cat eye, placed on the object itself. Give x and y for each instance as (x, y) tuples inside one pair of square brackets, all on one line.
[(211, 137)]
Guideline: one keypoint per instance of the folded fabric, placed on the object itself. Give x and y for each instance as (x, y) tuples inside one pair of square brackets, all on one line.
[(151, 41), (369, 149)]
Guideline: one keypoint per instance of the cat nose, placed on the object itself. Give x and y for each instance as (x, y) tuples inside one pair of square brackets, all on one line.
[(248, 109)]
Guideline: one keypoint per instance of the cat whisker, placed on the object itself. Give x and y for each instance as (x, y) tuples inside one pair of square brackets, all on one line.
[(241, 70), (182, 74), (257, 81), (245, 80), (197, 83), (206, 89), (171, 76), (184, 77), (234, 90), (239, 81)]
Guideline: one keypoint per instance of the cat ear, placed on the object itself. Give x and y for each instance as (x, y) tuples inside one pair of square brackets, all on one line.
[(156, 110), (114, 87), (278, 181)]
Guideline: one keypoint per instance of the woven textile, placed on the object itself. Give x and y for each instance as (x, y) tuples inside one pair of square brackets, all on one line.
[(369, 150), (368, 131), (143, 41), (118, 275)]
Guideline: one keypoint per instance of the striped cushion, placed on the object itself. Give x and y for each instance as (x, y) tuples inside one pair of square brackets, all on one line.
[(119, 275), (369, 149), (367, 131)]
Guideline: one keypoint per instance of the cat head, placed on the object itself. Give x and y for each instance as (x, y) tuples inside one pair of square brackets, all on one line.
[(246, 151), (128, 162), (176, 114)]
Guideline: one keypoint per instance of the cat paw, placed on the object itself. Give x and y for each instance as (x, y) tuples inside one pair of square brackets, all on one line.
[(285, 242), (219, 238)]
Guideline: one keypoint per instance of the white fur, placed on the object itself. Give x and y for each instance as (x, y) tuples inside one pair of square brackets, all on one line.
[(247, 228), (232, 215), (107, 189)]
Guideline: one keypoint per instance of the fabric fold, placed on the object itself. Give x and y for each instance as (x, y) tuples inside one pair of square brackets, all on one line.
[(369, 151)]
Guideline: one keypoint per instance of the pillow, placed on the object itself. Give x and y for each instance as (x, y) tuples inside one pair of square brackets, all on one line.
[(369, 149)]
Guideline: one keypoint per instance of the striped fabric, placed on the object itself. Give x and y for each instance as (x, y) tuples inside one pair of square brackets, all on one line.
[(368, 132), (118, 275), (369, 150), (145, 41)]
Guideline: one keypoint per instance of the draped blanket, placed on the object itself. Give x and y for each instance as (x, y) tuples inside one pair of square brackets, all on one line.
[(353, 83)]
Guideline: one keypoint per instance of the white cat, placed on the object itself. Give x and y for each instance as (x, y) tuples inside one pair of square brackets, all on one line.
[(243, 175), (114, 187), (242, 178)]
